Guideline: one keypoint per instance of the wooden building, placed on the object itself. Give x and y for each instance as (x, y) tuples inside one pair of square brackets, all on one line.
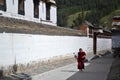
[(116, 22)]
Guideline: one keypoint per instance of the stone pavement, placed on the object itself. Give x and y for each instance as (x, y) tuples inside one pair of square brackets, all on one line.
[(96, 69)]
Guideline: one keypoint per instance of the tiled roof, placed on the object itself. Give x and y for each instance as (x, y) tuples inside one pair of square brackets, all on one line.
[(20, 26)]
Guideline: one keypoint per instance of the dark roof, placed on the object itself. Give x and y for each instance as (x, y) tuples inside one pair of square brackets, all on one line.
[(106, 30), (93, 26), (115, 31), (11, 25), (89, 24), (116, 18)]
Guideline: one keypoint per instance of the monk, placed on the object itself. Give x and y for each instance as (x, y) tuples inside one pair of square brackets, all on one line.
[(80, 59)]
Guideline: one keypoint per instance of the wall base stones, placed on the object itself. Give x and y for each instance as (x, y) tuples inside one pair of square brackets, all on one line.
[(104, 52), (41, 66)]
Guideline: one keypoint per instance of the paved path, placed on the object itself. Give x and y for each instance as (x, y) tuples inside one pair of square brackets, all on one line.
[(96, 69)]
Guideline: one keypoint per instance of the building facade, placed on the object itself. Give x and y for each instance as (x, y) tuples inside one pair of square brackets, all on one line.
[(116, 22), (40, 11)]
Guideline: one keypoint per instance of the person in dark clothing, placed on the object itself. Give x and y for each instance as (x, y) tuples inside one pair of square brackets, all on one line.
[(80, 59)]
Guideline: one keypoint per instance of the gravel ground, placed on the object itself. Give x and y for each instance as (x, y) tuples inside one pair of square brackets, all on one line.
[(51, 66)]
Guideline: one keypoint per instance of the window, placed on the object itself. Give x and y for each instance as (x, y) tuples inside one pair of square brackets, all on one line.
[(47, 11), (3, 5), (90, 30), (36, 8), (21, 7), (116, 18)]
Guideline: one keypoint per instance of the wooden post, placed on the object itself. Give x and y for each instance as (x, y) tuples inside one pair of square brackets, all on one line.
[(95, 43)]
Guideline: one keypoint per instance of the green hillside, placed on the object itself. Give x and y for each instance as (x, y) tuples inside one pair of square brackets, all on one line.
[(107, 20), (74, 12), (73, 17)]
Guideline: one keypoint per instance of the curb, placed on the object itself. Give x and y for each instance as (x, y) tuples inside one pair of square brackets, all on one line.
[(101, 55)]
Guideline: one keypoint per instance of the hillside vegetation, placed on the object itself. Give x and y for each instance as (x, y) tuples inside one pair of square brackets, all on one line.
[(107, 20), (71, 13)]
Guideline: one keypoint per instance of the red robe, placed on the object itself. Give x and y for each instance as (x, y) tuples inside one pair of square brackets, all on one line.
[(81, 60)]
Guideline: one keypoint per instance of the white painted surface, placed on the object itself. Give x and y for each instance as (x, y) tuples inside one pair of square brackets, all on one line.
[(28, 47), (12, 6), (115, 23), (53, 14), (29, 9), (12, 11), (43, 11), (103, 44)]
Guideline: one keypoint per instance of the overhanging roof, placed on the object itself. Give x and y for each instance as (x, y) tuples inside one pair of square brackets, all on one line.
[(51, 1), (89, 24)]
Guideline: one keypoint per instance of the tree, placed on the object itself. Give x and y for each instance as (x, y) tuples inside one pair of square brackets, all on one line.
[(77, 22)]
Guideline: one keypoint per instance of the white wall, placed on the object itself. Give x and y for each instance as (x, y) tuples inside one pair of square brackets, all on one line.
[(103, 44), (53, 14), (28, 47), (29, 9), (43, 10), (12, 11), (12, 7)]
